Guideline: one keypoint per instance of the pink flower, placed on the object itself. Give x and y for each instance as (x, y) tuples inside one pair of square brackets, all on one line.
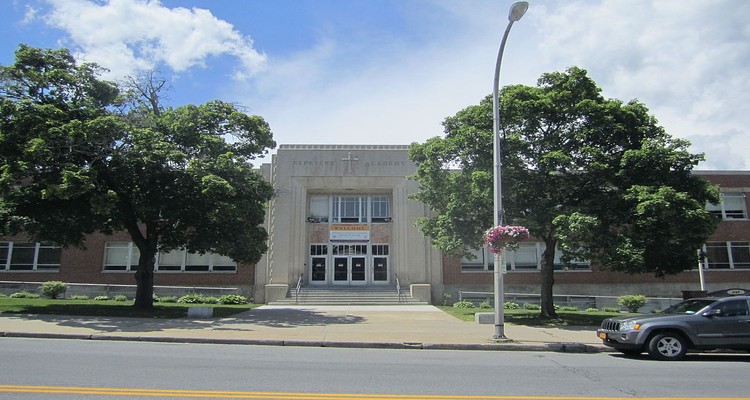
[(505, 237)]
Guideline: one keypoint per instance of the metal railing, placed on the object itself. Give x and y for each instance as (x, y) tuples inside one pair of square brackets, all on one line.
[(398, 288), (584, 301), (297, 290)]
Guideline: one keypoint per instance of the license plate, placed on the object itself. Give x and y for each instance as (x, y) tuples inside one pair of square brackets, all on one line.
[(602, 335)]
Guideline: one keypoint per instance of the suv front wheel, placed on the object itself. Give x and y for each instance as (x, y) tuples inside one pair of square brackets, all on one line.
[(667, 346)]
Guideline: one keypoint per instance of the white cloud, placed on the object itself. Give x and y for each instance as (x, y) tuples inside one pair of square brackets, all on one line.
[(685, 60), (393, 92), (131, 36), (30, 15)]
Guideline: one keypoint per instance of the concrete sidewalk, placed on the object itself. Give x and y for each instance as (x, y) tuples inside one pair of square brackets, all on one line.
[(328, 326)]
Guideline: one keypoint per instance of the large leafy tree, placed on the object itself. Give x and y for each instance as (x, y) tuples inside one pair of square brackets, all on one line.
[(79, 155), (596, 178)]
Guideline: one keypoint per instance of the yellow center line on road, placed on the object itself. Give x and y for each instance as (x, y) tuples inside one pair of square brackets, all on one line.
[(299, 396)]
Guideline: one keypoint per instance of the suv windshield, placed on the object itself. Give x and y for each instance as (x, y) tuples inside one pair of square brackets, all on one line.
[(688, 306)]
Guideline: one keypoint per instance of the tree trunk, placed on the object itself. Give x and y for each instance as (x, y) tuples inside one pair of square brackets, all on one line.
[(548, 279), (144, 278)]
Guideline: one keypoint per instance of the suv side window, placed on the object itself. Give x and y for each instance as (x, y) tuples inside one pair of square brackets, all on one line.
[(734, 308)]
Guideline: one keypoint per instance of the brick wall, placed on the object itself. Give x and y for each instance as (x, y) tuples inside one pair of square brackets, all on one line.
[(726, 231), (86, 266)]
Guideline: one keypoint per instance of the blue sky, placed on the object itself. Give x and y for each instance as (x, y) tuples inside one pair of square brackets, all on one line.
[(390, 71)]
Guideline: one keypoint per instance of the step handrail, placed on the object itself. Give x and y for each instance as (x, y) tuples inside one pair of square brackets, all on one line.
[(398, 287), (299, 287)]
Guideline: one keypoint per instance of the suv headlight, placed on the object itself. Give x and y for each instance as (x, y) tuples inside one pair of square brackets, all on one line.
[(630, 326)]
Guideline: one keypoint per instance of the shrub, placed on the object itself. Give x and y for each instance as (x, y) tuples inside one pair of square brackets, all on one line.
[(568, 308), (101, 298), (168, 299), (463, 304), (232, 299), (3, 295), (24, 295), (210, 300), (592, 309), (191, 299), (446, 299), (611, 309), (485, 304), (79, 297), (509, 305), (120, 297), (531, 306), (52, 289), (632, 302)]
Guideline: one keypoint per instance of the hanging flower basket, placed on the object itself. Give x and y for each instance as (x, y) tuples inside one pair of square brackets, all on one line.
[(505, 237)]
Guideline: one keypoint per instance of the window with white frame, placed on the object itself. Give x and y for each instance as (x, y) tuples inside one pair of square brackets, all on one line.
[(319, 208), (171, 261), (481, 260), (221, 263), (184, 261), (527, 258), (731, 206), (123, 256), (575, 265), (349, 209), (25, 256), (4, 255), (381, 210), (728, 255)]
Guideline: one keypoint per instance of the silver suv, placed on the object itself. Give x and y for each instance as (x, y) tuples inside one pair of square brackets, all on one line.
[(695, 324)]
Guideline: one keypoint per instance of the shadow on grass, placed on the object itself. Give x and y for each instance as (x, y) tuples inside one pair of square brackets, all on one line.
[(580, 320), (109, 317), (109, 308)]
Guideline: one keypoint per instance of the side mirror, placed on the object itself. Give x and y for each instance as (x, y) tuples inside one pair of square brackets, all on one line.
[(716, 312)]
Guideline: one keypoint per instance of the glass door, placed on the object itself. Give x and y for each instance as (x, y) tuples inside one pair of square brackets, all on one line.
[(349, 270), (358, 268), (380, 270), (318, 271), (341, 270), (350, 264), (380, 267)]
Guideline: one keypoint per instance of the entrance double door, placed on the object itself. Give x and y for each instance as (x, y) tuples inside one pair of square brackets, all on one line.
[(349, 265), (349, 270)]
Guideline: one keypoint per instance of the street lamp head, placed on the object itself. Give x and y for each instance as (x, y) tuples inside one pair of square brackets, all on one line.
[(517, 10)]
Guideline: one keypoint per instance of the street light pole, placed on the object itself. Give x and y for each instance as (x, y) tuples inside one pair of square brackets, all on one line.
[(517, 10)]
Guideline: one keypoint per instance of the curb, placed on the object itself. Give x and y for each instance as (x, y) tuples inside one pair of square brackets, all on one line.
[(551, 347)]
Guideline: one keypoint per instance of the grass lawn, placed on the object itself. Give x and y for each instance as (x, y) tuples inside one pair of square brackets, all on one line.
[(533, 318), (110, 308)]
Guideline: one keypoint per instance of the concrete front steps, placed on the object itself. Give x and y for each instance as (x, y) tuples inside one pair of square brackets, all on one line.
[(349, 295)]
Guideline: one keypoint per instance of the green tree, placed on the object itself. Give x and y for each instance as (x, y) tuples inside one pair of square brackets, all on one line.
[(596, 178), (77, 156)]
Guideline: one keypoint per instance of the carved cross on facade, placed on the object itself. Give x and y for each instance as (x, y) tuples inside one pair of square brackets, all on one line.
[(349, 158)]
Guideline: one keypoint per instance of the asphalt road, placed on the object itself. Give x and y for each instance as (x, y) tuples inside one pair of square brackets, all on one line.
[(75, 369)]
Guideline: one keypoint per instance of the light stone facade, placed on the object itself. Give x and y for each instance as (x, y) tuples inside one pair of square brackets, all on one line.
[(299, 172)]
